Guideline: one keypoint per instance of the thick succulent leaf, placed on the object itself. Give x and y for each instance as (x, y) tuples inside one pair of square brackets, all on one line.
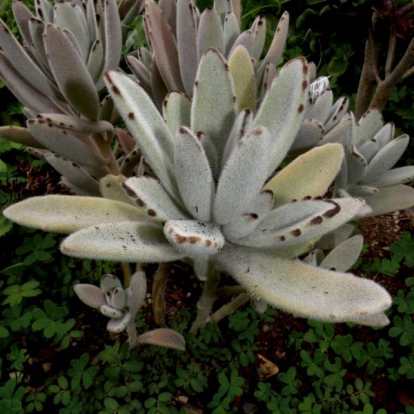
[(44, 10), (187, 43), (67, 16), (338, 111), (75, 174), (375, 319), (95, 61), (163, 337), (169, 9), (245, 39), (342, 133), (66, 214), (223, 7), (22, 15), (345, 255), (36, 28), (211, 154), (231, 32), (151, 197), (194, 176), (70, 72), (111, 188), (369, 124), (259, 31), (127, 241), (140, 71), (283, 107), (248, 221), (111, 312), (83, 125), (194, 239), (90, 295), (23, 63), (368, 149), (146, 126), (335, 238), (268, 76), (390, 199), (24, 91), (113, 37), (356, 165), (302, 289), (385, 134), (214, 108), (309, 135), (158, 87), (20, 135), (310, 174), (276, 48), (109, 282), (176, 110), (119, 324), (65, 142), (363, 190), (242, 71), (136, 291), (402, 175), (118, 298), (242, 124), (386, 158), (300, 222), (242, 176), (321, 108), (164, 46), (210, 32)]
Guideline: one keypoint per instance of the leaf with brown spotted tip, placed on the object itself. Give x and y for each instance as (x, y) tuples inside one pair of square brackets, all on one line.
[(127, 241), (193, 238), (163, 337), (151, 197), (301, 289), (338, 111), (309, 135), (369, 124), (402, 175), (136, 291), (282, 109), (320, 110), (243, 176), (66, 214), (385, 158), (111, 188), (276, 48), (231, 32), (296, 223), (310, 174), (74, 145), (146, 125)]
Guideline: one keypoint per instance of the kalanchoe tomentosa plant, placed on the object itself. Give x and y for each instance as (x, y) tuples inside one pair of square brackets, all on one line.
[(212, 160), (57, 74)]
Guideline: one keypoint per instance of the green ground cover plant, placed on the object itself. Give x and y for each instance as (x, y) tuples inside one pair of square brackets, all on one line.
[(57, 355)]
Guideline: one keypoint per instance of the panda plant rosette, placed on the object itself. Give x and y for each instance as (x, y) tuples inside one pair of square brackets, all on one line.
[(208, 204)]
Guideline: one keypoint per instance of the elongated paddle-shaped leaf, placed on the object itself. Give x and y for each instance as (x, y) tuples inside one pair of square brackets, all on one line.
[(66, 214), (301, 289)]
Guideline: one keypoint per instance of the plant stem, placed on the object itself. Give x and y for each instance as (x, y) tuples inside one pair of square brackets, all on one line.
[(230, 307), (208, 297), (158, 293), (132, 333)]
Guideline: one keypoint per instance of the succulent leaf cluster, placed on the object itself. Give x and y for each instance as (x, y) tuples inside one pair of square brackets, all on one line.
[(178, 36), (121, 306), (210, 203), (370, 153), (57, 75)]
